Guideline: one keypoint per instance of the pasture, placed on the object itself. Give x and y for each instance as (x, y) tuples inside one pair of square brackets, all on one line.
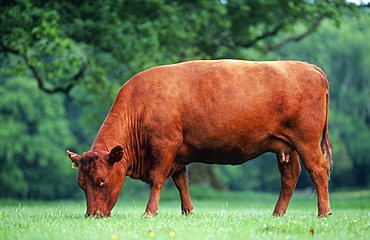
[(218, 215)]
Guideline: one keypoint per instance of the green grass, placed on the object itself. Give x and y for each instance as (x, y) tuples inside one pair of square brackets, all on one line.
[(217, 216)]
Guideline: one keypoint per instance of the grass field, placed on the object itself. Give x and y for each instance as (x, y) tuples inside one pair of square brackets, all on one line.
[(244, 215)]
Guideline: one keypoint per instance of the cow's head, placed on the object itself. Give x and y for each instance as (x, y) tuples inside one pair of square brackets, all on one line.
[(100, 175)]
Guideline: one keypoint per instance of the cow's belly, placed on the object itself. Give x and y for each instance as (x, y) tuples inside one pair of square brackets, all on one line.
[(233, 153), (215, 156)]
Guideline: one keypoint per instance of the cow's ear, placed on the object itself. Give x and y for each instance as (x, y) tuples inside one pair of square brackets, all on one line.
[(75, 158), (115, 155)]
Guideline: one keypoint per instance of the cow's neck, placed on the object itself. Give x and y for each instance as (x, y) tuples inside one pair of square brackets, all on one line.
[(110, 134), (136, 149), (124, 130), (114, 128)]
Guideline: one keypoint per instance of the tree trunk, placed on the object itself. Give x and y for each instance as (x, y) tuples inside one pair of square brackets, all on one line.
[(204, 175)]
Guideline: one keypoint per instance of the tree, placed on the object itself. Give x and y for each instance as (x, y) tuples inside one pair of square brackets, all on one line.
[(65, 44), (88, 49), (33, 136)]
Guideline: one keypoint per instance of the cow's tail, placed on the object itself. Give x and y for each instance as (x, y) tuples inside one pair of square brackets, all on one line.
[(326, 147)]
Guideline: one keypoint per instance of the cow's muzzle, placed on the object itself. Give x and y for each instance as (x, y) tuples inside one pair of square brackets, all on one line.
[(97, 214)]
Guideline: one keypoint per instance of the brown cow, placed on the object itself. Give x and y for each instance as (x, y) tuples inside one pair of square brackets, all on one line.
[(217, 112)]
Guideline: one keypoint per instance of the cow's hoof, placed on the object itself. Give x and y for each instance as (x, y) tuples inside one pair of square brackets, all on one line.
[(187, 212), (148, 214), (325, 215)]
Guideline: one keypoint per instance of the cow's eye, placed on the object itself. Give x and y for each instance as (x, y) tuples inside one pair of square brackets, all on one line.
[(102, 181)]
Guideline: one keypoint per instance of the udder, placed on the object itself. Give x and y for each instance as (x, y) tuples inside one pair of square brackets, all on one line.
[(281, 147)]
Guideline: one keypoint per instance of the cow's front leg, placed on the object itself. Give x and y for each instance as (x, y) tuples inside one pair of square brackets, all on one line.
[(289, 171), (155, 192), (181, 180), (162, 155)]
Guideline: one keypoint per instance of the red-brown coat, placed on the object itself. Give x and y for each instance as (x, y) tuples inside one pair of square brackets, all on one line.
[(222, 112)]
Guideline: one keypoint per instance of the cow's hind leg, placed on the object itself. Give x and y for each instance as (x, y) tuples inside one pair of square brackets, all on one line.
[(181, 180), (289, 171), (317, 166)]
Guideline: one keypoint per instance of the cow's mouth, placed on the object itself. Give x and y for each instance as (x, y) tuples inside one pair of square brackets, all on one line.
[(97, 214)]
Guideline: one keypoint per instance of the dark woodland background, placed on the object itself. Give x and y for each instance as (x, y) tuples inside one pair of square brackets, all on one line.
[(62, 62)]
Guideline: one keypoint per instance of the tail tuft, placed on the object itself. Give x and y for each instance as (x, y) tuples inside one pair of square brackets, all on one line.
[(326, 149)]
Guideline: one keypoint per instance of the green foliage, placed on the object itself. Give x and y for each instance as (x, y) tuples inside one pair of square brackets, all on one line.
[(252, 175), (33, 134), (88, 49), (67, 44), (33, 34)]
